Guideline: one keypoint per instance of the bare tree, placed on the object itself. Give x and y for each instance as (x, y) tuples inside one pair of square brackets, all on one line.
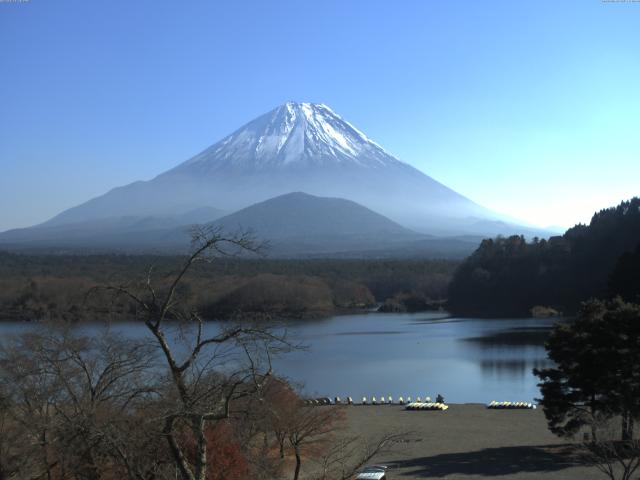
[(279, 401), (315, 433), (347, 455), (31, 396), (309, 428), (616, 459), (75, 401), (12, 456), (208, 373)]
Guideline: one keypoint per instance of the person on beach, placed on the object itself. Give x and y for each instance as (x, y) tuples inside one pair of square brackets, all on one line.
[(439, 399)]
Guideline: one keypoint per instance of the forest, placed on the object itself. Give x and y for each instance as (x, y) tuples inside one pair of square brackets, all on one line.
[(510, 276), (36, 287)]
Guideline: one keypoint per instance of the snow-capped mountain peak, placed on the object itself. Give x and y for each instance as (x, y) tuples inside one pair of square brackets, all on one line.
[(292, 135), (296, 147)]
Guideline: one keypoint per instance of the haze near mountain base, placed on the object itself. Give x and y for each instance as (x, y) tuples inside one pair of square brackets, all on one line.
[(297, 147)]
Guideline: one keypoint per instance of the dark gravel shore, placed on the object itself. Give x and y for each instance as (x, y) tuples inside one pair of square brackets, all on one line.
[(470, 441)]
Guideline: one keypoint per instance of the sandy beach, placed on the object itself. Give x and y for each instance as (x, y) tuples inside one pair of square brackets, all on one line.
[(470, 442)]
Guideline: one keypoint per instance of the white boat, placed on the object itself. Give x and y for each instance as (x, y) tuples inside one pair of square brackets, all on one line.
[(374, 472)]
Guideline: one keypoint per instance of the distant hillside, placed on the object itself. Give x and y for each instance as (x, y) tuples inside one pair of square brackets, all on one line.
[(124, 232), (295, 225), (305, 217), (508, 276), (298, 224)]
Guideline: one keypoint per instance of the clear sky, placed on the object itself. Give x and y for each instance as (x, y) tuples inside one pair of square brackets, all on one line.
[(530, 108)]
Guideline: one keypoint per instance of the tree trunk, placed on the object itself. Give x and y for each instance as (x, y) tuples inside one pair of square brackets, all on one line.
[(178, 455), (298, 462), (92, 470), (201, 460), (627, 427), (594, 428), (45, 456)]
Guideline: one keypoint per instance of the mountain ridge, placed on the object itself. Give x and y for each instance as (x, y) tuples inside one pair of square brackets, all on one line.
[(295, 225), (297, 214), (294, 147)]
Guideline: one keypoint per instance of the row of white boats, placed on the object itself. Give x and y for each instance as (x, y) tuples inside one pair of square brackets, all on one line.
[(427, 406), (418, 404), (365, 401), (511, 405), (389, 400)]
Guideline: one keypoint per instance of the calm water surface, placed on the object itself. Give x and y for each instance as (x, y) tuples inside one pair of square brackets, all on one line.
[(466, 360)]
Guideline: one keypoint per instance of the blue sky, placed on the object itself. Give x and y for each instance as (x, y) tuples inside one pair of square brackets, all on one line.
[(529, 108)]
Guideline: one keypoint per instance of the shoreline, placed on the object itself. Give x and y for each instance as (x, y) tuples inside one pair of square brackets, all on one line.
[(342, 312), (5, 317)]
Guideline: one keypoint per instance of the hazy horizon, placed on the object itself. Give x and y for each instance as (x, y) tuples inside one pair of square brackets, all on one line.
[(527, 109)]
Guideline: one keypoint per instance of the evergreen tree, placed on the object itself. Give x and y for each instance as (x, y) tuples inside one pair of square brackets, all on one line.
[(625, 278), (597, 372)]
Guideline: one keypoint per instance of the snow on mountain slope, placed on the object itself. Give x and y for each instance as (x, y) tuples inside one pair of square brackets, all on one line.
[(294, 134), (297, 147)]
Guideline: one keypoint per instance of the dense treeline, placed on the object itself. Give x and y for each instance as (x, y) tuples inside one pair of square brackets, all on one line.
[(509, 276), (55, 286)]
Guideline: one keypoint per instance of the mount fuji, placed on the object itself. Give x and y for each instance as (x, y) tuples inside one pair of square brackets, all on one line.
[(297, 147)]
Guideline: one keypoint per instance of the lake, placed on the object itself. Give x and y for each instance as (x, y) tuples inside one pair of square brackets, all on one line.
[(375, 354)]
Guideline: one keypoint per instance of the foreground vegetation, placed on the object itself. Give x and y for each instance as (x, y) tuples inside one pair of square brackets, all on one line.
[(594, 386), (193, 406)]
